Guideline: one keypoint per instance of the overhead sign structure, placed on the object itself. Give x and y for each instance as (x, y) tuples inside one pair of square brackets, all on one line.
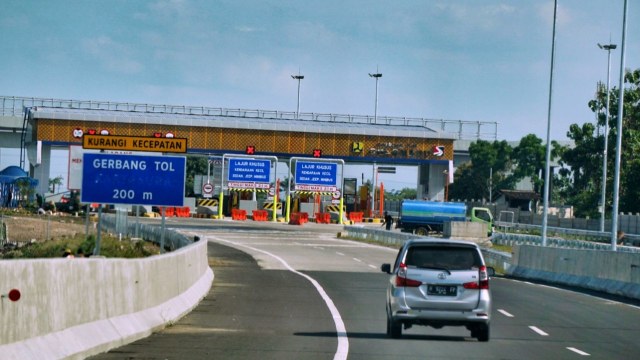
[(134, 143), (318, 176), (133, 179), (315, 176), (249, 173)]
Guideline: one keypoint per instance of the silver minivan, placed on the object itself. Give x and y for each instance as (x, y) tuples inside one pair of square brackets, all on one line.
[(436, 282)]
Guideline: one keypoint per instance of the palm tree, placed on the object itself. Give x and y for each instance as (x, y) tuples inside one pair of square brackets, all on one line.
[(55, 181)]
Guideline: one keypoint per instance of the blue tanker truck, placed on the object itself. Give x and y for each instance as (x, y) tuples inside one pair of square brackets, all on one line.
[(421, 217)]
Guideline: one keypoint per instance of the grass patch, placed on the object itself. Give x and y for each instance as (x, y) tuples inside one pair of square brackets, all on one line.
[(503, 248), (110, 247)]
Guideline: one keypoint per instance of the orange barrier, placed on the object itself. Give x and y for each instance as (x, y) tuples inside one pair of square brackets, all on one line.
[(260, 215), (304, 217), (323, 218), (356, 216), (238, 214), (183, 211), (297, 218), (294, 219)]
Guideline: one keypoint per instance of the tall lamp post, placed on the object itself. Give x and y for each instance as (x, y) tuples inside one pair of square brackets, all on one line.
[(298, 77), (616, 173), (608, 48), (377, 76), (547, 176)]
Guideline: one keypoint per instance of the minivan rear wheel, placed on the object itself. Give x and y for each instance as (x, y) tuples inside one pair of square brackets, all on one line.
[(482, 333), (394, 328)]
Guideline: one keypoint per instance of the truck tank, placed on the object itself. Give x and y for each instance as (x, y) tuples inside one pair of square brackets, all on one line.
[(423, 216)]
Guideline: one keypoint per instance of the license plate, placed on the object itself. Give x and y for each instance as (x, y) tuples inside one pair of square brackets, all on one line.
[(442, 290)]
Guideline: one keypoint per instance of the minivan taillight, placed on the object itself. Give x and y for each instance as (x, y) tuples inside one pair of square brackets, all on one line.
[(402, 280), (482, 283)]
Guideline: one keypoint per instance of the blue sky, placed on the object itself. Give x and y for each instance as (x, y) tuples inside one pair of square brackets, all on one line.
[(468, 60)]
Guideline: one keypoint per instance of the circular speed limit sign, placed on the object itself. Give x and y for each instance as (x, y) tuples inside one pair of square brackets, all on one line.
[(207, 188), (336, 194)]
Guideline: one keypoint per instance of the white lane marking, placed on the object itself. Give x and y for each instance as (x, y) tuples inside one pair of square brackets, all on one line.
[(373, 266), (607, 301), (540, 332), (505, 313), (339, 253), (578, 351), (356, 259), (343, 341)]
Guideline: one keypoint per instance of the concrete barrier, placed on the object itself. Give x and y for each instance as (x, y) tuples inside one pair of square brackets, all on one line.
[(607, 271), (74, 308), (465, 230)]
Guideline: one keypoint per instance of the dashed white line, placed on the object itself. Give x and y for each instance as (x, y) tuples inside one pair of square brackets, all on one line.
[(356, 259), (578, 351), (540, 332), (339, 253), (505, 313), (373, 266)]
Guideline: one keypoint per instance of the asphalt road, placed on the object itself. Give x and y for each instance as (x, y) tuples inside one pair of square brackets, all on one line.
[(283, 292)]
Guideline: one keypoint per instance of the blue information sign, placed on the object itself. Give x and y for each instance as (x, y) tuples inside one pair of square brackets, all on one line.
[(133, 179), (316, 173), (249, 170)]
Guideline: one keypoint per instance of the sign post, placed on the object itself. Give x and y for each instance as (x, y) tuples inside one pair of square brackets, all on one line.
[(247, 172), (315, 175), (133, 179)]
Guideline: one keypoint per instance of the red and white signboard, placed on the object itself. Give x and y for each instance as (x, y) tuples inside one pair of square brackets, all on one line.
[(247, 185), (316, 188), (207, 190)]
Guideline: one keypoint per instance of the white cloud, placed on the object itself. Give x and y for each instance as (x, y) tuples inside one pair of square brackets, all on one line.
[(113, 56), (477, 16)]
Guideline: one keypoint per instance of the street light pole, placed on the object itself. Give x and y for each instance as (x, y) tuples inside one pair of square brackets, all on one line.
[(547, 177), (377, 76), (607, 47), (616, 173), (298, 77)]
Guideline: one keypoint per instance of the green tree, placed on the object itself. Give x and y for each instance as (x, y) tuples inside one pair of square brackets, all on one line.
[(195, 165), (404, 194), (57, 181), (530, 155), (584, 161), (489, 170)]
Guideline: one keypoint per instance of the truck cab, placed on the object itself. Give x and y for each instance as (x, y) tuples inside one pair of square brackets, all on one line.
[(482, 215)]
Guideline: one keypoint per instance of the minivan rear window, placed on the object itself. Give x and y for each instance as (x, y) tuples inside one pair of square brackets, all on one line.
[(448, 257)]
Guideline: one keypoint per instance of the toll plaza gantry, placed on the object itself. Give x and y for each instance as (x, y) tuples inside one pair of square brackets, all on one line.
[(354, 139)]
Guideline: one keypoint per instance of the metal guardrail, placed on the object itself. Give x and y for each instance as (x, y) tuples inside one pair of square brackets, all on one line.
[(120, 224), (463, 129), (508, 239), (597, 236)]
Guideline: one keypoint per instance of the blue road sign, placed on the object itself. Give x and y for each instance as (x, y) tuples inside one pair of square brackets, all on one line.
[(133, 179), (249, 170), (316, 173)]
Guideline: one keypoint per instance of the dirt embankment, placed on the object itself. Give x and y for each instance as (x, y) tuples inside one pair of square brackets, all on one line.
[(25, 229)]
